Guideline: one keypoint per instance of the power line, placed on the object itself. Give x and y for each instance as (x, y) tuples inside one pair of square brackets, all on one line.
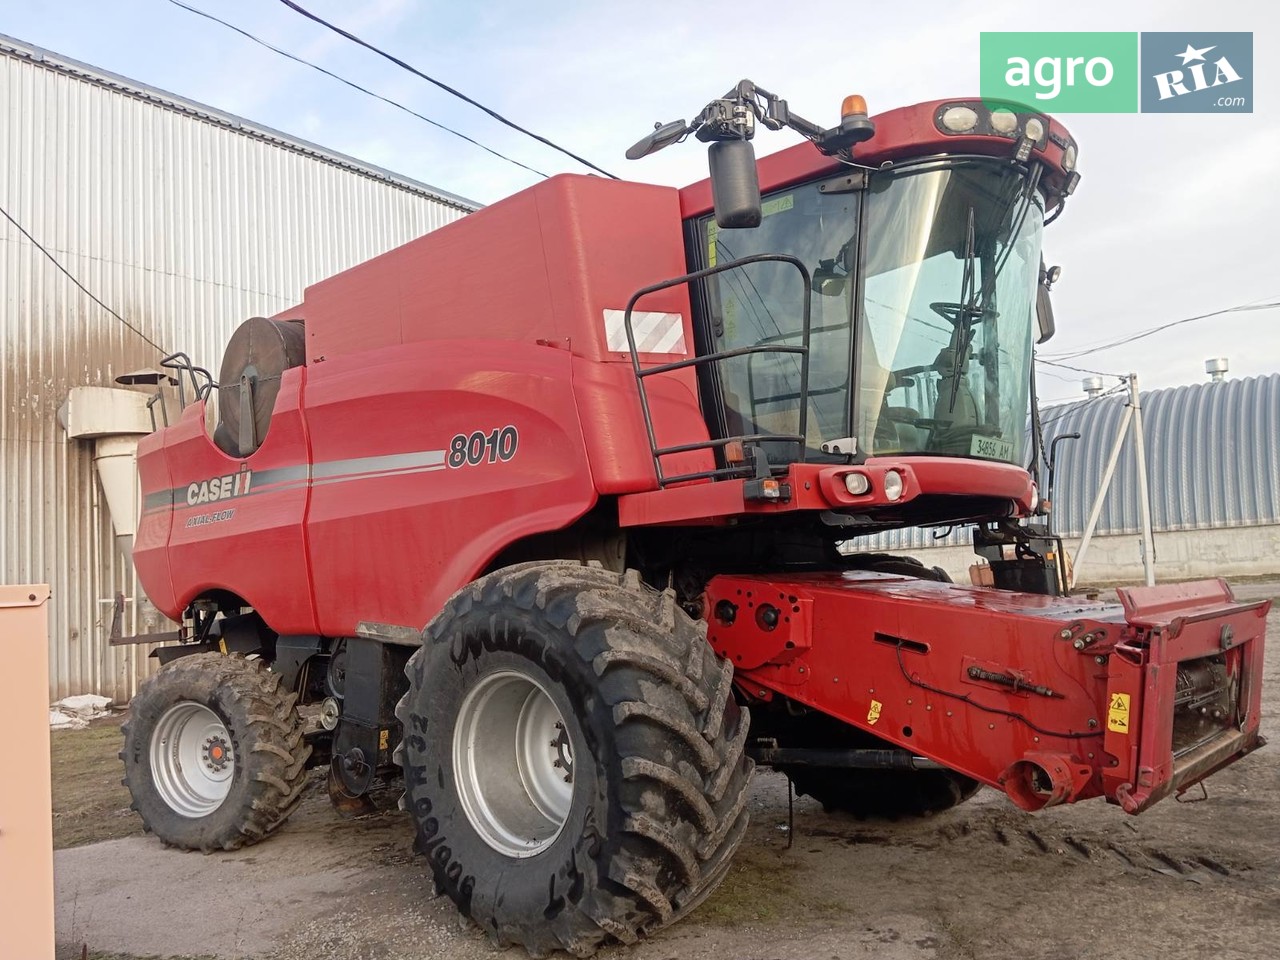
[(297, 8), (1072, 355), (1079, 405), (1058, 376), (85, 290), (1067, 366), (353, 85)]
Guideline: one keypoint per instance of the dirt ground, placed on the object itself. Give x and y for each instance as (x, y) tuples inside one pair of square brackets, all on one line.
[(1185, 880)]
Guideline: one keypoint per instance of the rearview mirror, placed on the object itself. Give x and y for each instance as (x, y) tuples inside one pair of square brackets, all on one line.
[(1044, 313), (830, 279), (662, 136), (735, 184)]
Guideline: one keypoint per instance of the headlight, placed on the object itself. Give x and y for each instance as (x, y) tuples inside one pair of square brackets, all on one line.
[(893, 485), (857, 483), (1035, 497)]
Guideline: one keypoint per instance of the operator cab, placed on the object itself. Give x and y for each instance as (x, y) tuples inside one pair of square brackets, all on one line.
[(923, 293)]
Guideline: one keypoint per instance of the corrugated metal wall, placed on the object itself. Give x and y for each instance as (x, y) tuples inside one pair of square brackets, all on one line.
[(1213, 461), (184, 221)]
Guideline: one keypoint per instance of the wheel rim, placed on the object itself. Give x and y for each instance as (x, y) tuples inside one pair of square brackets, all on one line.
[(513, 760), (192, 761)]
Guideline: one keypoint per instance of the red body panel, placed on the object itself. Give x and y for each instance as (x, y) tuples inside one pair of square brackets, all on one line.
[(393, 530), (892, 656), (542, 266), (352, 511), (151, 541), (815, 487), (250, 544)]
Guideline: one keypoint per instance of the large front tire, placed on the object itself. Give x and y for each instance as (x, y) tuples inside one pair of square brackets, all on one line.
[(573, 757), (213, 752)]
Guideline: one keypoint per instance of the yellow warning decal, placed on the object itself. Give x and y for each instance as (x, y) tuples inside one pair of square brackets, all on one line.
[(713, 233), (1118, 713), (383, 739), (874, 713), (222, 646)]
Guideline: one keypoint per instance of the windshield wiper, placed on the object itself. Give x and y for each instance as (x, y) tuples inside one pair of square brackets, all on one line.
[(973, 303), (968, 304)]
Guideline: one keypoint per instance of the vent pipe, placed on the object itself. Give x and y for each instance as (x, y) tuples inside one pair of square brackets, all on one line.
[(1216, 368)]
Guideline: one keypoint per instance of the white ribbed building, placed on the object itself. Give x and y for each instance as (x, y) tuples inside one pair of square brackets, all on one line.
[(185, 221)]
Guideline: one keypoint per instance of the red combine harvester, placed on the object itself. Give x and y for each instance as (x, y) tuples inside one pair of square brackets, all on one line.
[(537, 507)]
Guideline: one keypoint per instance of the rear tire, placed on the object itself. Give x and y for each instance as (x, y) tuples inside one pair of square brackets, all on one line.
[(213, 752), (639, 715)]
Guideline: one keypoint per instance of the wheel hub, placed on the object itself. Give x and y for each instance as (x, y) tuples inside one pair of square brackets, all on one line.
[(217, 753), (513, 761), (192, 759)]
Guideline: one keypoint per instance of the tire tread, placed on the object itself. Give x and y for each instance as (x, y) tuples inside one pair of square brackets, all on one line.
[(680, 734)]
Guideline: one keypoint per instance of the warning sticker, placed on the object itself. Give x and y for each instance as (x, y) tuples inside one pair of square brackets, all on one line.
[(777, 205), (874, 713), (1118, 713)]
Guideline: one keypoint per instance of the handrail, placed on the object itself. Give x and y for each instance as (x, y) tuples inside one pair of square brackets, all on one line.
[(642, 373)]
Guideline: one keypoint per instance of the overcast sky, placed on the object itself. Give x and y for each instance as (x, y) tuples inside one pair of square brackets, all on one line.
[(1176, 215)]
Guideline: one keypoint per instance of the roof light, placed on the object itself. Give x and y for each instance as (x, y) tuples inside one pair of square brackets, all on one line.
[(1069, 158), (1004, 121), (1034, 129), (959, 119), (854, 127), (854, 105)]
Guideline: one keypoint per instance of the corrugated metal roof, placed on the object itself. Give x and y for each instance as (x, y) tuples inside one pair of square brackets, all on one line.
[(171, 101), (1213, 460)]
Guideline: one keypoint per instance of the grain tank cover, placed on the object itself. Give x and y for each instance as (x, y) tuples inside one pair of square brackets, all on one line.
[(259, 352)]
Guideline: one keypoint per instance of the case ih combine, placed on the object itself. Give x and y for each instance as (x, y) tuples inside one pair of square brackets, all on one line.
[(540, 507)]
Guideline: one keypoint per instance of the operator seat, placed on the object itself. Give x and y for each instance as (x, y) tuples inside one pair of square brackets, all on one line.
[(957, 421)]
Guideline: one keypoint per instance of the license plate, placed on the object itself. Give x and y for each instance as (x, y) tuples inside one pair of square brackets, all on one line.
[(992, 448)]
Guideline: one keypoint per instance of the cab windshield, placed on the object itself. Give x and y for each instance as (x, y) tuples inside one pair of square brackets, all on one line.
[(934, 264), (948, 304)]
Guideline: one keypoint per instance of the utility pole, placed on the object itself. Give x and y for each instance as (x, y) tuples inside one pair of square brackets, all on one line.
[(1144, 495), (1132, 417)]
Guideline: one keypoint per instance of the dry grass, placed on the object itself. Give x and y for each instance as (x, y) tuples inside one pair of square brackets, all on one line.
[(89, 803)]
